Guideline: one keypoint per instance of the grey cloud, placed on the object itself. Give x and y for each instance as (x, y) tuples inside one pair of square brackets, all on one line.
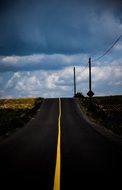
[(54, 26), (105, 81), (41, 62), (54, 62)]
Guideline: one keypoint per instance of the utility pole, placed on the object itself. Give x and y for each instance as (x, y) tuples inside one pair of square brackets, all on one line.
[(90, 93), (74, 83), (90, 74)]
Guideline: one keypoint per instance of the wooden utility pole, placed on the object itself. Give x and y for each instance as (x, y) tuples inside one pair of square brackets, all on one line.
[(74, 83), (90, 74), (90, 93)]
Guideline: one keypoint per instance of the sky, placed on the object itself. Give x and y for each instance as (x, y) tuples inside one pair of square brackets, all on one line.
[(42, 40)]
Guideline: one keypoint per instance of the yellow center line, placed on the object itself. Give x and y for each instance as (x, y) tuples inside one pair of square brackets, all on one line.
[(58, 156)]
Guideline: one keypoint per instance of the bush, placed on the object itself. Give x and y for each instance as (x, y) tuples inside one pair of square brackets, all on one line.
[(79, 95)]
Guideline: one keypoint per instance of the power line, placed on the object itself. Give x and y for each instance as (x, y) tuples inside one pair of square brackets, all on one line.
[(103, 53), (108, 49), (86, 67)]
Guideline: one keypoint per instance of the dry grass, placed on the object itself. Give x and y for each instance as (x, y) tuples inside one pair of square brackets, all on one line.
[(15, 113), (106, 111)]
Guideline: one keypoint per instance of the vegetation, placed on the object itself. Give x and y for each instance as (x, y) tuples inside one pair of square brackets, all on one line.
[(15, 113), (79, 95), (106, 111)]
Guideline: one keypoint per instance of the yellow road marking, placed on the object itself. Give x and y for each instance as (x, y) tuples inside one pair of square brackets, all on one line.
[(58, 156)]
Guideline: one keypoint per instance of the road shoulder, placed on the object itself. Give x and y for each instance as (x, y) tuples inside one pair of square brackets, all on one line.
[(99, 128)]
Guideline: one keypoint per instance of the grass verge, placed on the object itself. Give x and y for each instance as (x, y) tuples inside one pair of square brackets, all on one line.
[(15, 113), (106, 111)]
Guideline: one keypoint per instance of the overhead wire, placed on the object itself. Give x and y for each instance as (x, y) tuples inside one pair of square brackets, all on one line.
[(94, 60), (108, 50), (85, 68)]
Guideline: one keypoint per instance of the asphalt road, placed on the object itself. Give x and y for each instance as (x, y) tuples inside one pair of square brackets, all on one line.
[(29, 155), (87, 157)]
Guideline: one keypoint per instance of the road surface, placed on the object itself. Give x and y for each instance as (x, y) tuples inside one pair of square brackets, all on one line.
[(87, 157)]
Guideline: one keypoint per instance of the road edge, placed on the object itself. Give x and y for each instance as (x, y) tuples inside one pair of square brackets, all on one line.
[(18, 130), (99, 128)]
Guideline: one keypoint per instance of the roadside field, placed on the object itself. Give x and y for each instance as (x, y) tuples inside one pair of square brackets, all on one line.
[(106, 110), (15, 113)]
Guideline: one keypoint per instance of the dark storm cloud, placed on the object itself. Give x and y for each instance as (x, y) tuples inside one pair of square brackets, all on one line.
[(67, 27)]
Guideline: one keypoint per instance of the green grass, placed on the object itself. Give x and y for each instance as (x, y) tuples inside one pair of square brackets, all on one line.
[(106, 111), (15, 113)]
